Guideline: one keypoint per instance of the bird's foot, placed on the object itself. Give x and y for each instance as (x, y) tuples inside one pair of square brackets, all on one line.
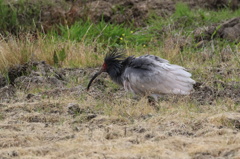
[(153, 102)]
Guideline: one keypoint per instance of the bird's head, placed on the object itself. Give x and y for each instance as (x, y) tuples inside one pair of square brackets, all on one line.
[(111, 65)]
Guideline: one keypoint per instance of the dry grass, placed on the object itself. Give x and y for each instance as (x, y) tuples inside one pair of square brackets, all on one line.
[(123, 128), (15, 51), (18, 51), (111, 124)]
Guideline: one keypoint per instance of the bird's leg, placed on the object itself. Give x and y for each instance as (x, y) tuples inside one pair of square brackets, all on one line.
[(136, 97), (133, 96), (153, 101), (154, 97)]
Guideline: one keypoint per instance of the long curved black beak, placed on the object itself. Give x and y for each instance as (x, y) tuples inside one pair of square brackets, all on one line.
[(95, 76)]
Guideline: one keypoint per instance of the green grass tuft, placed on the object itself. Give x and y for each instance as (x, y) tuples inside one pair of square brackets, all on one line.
[(103, 33)]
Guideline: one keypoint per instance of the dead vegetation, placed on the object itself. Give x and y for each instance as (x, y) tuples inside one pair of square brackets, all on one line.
[(46, 112), (68, 122), (51, 128)]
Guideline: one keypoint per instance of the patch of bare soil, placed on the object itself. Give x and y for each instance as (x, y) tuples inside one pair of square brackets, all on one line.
[(136, 12), (216, 89), (229, 30), (35, 74), (52, 123), (116, 11), (207, 95)]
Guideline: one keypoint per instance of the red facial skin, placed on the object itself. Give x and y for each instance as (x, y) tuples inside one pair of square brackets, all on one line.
[(104, 67)]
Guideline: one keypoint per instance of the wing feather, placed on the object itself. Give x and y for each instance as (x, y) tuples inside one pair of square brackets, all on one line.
[(150, 74)]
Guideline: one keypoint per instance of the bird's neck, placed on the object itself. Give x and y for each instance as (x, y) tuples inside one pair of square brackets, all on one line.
[(117, 69), (115, 72)]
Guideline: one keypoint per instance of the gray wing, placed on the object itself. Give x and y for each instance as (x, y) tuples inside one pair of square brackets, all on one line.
[(153, 58), (152, 75)]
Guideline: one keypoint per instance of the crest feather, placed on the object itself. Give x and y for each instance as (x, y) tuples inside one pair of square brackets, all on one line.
[(114, 55)]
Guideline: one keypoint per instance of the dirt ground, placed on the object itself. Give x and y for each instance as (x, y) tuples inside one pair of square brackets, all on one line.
[(133, 12), (41, 116), (46, 112)]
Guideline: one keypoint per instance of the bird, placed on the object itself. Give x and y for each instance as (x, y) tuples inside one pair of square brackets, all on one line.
[(146, 75)]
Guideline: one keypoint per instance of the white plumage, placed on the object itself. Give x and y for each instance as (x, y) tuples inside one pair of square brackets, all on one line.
[(151, 75)]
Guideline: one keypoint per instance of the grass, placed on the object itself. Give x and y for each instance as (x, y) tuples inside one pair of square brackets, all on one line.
[(20, 51), (123, 126), (105, 34), (89, 42), (22, 16)]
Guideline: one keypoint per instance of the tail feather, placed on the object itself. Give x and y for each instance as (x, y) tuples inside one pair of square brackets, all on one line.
[(179, 81)]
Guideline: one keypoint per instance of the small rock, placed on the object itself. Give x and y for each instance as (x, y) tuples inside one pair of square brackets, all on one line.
[(148, 136), (74, 109), (7, 92), (91, 116), (13, 154), (3, 81), (29, 96), (229, 30), (77, 129), (112, 135)]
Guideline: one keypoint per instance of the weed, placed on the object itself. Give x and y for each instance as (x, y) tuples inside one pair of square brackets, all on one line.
[(8, 19), (18, 17), (21, 16), (59, 57), (102, 33)]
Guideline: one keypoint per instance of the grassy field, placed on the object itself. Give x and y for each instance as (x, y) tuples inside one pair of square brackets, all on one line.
[(107, 122)]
